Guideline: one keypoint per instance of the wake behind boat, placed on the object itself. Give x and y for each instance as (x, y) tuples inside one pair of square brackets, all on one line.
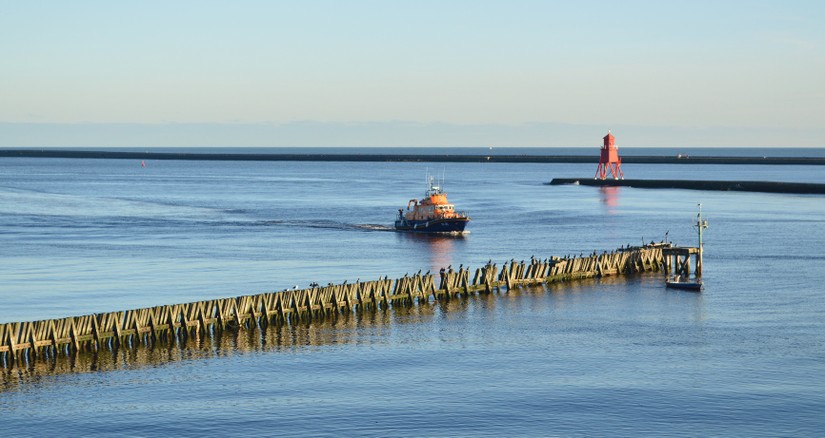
[(432, 214)]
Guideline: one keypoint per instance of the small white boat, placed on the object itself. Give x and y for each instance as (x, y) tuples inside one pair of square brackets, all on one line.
[(677, 282)]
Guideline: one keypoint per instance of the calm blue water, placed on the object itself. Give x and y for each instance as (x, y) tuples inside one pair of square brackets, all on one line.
[(617, 357)]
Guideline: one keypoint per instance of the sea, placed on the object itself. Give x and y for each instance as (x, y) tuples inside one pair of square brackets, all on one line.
[(619, 356)]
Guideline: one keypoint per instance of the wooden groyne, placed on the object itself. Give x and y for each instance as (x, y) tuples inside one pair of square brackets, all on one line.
[(22, 344), (435, 158), (740, 186)]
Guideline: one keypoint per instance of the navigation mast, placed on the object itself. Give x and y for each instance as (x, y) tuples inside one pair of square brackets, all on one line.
[(701, 224)]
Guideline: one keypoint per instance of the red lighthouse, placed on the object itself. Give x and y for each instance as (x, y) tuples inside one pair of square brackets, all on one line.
[(610, 159)]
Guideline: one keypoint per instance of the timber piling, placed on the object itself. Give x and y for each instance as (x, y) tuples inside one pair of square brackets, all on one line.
[(24, 344)]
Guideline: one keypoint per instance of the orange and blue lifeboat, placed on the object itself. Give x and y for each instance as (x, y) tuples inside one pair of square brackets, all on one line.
[(432, 214)]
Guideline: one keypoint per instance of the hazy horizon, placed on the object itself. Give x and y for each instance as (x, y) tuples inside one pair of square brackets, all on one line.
[(388, 134), (366, 73)]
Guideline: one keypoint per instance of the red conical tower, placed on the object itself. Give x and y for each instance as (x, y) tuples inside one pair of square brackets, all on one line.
[(610, 159)]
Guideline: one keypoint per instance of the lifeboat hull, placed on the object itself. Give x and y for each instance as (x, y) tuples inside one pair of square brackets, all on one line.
[(453, 225)]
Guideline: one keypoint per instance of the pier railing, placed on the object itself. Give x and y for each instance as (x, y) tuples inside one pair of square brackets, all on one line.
[(21, 343)]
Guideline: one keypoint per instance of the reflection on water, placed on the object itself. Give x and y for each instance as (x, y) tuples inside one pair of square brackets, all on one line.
[(438, 248), (346, 328), (610, 198)]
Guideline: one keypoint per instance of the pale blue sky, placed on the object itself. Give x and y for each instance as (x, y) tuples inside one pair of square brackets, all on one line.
[(454, 70)]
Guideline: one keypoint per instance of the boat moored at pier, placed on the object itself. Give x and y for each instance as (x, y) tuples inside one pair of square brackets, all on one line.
[(694, 284), (678, 258)]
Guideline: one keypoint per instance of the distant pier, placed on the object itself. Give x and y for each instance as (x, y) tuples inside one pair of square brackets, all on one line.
[(741, 186), (40, 345), (436, 158)]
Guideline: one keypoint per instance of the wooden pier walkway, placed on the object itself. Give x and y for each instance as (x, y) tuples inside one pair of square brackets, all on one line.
[(22, 344)]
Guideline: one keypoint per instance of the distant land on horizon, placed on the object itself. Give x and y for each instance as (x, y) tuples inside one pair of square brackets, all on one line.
[(393, 134)]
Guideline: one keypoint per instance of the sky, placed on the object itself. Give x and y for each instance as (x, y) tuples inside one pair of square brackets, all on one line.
[(422, 73)]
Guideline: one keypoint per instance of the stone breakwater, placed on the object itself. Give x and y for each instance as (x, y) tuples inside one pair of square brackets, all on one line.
[(737, 186), (434, 158)]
